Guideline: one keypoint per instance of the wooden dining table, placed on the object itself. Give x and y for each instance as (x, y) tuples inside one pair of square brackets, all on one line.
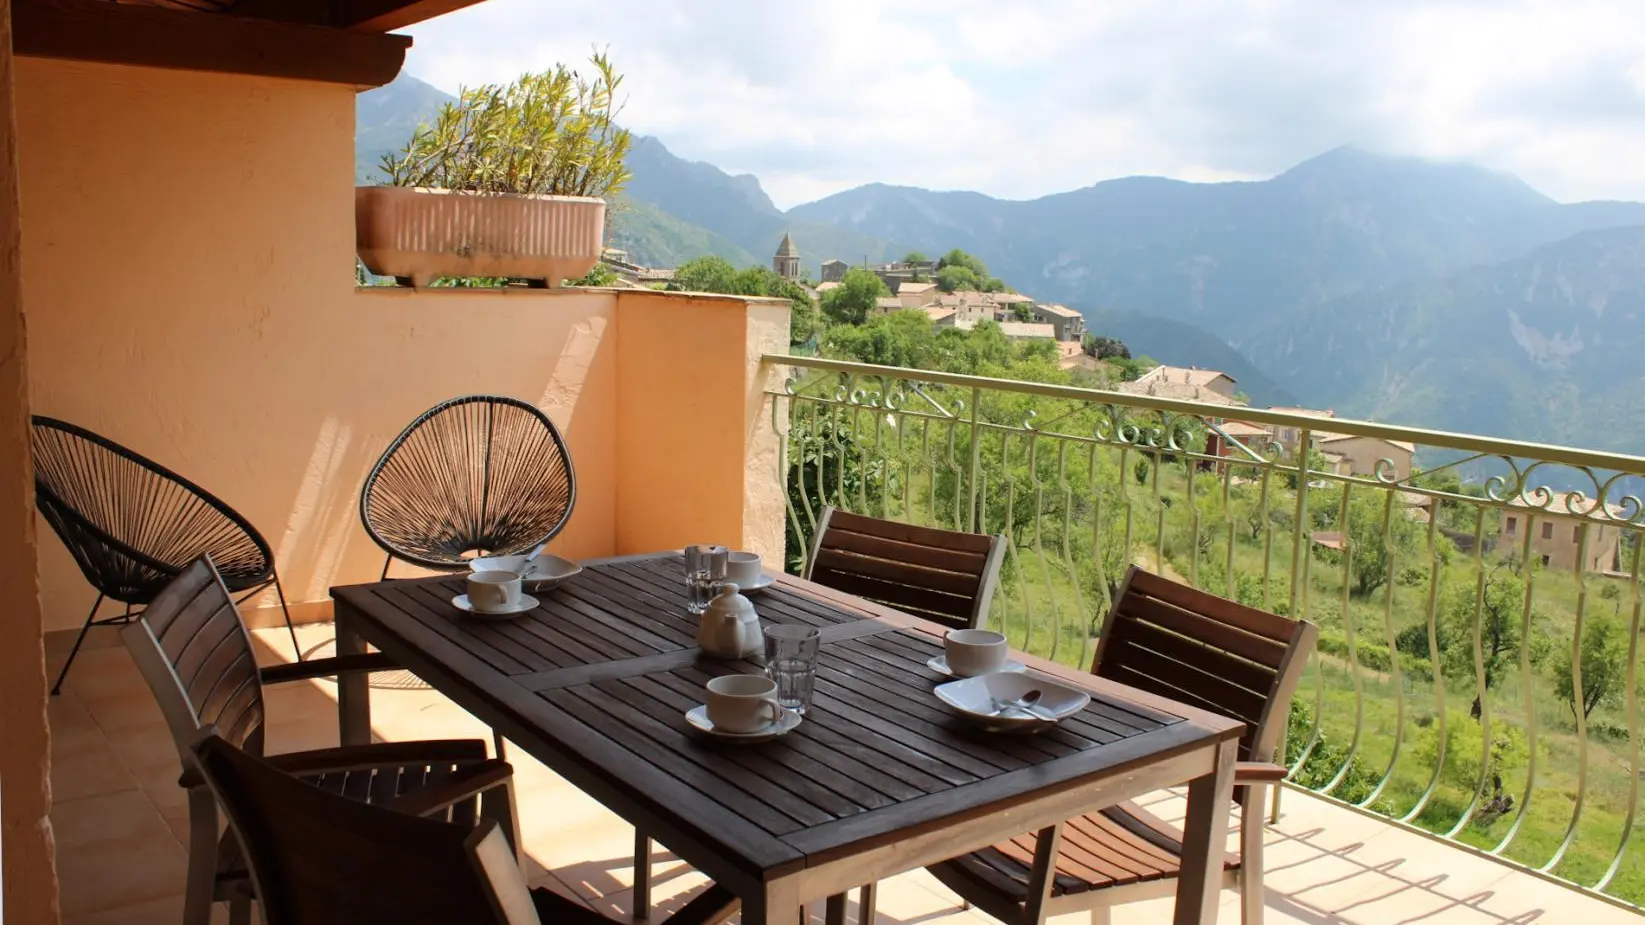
[(878, 779)]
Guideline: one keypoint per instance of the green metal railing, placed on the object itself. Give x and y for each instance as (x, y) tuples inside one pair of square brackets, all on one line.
[(1476, 678)]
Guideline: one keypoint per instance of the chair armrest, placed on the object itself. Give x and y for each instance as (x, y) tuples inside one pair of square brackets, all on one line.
[(380, 754), (325, 667), (1259, 772), (465, 783)]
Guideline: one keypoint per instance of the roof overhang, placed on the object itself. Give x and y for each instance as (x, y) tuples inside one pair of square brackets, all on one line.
[(332, 41)]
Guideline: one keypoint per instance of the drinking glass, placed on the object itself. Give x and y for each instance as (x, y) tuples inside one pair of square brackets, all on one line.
[(791, 661), (704, 574)]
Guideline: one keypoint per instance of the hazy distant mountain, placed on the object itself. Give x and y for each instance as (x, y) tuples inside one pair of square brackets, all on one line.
[(385, 118), (1544, 347), (1177, 343), (737, 209), (1439, 295), (1237, 259)]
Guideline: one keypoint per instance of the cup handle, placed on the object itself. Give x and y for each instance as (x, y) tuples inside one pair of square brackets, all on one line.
[(774, 709)]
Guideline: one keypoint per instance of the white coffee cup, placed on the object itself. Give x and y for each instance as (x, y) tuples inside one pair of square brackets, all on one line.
[(493, 590), (743, 702), (974, 652), (743, 569)]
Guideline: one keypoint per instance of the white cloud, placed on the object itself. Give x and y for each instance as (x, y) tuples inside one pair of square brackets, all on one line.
[(1023, 99)]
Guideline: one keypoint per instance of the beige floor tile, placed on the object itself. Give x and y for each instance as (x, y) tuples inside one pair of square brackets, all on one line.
[(167, 910), (113, 874), (1522, 899), (140, 748), (134, 708), (103, 674), (89, 769), (117, 817), (71, 724), (58, 642)]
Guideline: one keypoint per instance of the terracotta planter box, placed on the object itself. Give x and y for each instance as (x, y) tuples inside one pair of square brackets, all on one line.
[(417, 235)]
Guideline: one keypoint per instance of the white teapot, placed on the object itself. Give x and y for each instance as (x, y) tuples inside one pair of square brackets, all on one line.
[(730, 628)]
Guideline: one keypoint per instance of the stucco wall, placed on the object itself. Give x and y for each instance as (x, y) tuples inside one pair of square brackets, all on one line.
[(191, 243), (30, 883), (696, 451)]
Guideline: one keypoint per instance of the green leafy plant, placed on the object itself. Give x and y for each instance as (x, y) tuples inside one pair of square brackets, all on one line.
[(550, 133)]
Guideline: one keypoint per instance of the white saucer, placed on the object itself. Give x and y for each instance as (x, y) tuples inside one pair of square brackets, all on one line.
[(940, 666), (977, 700), (765, 581), (548, 571), (526, 603), (698, 718)]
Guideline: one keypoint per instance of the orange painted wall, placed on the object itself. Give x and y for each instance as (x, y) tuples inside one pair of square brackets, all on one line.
[(191, 250), (190, 244)]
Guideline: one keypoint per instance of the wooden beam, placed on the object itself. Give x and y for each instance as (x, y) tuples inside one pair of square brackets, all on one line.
[(144, 36), (385, 15)]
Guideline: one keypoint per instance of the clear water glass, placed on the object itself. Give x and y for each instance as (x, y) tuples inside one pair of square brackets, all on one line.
[(791, 661), (704, 574)]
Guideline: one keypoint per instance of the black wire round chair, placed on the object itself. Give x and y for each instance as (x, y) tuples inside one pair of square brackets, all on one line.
[(478, 474), (133, 525)]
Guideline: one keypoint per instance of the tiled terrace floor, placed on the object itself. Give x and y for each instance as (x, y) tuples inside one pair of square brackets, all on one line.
[(120, 823)]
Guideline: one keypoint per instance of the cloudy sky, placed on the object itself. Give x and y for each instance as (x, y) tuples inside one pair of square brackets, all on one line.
[(1019, 98)]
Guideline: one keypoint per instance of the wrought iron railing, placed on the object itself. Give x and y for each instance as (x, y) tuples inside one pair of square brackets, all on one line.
[(1479, 602)]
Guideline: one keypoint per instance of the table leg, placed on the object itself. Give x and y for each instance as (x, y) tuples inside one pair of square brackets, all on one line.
[(1204, 839), (354, 688), (778, 904)]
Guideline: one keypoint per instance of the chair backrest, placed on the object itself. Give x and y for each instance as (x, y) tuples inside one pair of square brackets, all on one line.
[(1207, 652), (478, 473), (944, 576), (130, 523), (318, 858), (197, 658)]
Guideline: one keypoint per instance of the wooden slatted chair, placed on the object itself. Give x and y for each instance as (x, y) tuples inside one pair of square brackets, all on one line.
[(944, 576), (321, 859), (197, 657), (1195, 648)]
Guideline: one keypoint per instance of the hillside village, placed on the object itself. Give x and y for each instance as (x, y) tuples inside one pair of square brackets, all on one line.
[(912, 285), (1022, 317)]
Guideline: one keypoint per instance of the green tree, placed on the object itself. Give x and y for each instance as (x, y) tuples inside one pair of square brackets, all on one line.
[(903, 339), (1022, 312), (716, 274), (854, 299), (600, 275), (1379, 537), (957, 279), (959, 258), (1106, 348), (1604, 665), (705, 274), (915, 257), (1492, 603)]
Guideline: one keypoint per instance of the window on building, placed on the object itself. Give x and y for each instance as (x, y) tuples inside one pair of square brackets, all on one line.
[(1576, 533), (1512, 523), (1548, 531), (1544, 560)]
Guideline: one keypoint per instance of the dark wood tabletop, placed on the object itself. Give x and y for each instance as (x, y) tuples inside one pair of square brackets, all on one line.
[(596, 683)]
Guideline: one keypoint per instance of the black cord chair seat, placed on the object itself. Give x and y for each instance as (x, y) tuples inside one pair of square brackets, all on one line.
[(477, 474), (132, 525)]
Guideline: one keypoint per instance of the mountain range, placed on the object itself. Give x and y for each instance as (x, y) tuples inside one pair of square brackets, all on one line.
[(1440, 295)]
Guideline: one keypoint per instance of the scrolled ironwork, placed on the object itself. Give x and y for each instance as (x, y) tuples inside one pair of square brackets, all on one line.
[(1085, 481)]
